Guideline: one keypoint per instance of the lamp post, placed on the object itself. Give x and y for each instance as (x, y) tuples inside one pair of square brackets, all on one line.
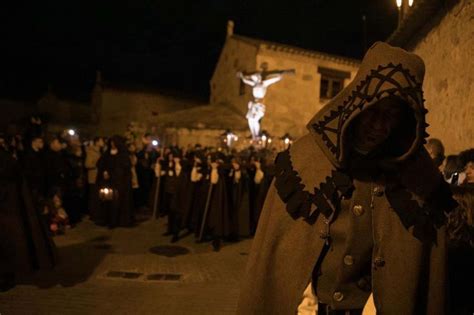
[(400, 11), (229, 138), (287, 140), (403, 7)]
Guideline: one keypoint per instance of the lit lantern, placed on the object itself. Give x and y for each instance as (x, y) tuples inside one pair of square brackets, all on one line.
[(71, 132), (228, 137), (410, 3), (287, 141), (106, 194), (265, 139), (399, 4)]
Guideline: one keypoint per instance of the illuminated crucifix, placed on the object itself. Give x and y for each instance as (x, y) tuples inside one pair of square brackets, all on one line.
[(259, 81)]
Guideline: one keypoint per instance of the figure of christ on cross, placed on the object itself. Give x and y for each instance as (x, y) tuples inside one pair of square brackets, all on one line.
[(259, 82)]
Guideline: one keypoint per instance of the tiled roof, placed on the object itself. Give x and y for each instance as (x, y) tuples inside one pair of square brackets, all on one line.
[(295, 50), (422, 13)]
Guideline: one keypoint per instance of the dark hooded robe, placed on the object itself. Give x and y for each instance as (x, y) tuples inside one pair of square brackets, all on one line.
[(25, 245), (217, 221), (34, 169), (185, 195), (238, 192), (119, 210), (173, 172), (348, 229)]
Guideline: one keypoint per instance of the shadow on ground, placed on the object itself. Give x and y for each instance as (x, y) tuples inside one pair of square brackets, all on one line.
[(76, 264)]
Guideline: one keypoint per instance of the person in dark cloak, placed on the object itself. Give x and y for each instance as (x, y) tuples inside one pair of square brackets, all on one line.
[(237, 185), (356, 218), (173, 170), (157, 191), (460, 230), (25, 245), (201, 175), (182, 199), (114, 172), (59, 178), (77, 198), (34, 168), (216, 223), (144, 171), (93, 153)]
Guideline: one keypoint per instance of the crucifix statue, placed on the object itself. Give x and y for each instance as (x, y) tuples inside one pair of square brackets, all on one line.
[(259, 81)]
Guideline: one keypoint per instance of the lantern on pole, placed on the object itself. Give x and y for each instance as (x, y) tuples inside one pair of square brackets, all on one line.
[(287, 140), (265, 139), (229, 138)]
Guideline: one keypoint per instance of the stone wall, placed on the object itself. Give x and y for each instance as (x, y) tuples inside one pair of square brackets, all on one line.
[(236, 56), (448, 50)]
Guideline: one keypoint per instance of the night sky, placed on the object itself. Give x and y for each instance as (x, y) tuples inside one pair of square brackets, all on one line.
[(171, 45)]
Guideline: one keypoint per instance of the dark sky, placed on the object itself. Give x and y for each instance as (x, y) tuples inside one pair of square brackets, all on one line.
[(171, 45)]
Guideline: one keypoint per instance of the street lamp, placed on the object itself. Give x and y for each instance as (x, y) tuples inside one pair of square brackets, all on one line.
[(287, 140), (400, 11)]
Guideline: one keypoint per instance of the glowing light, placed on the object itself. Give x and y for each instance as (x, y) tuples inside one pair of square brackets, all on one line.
[(71, 132), (106, 191), (154, 143), (410, 2), (264, 138), (287, 141), (269, 140), (236, 138), (399, 3)]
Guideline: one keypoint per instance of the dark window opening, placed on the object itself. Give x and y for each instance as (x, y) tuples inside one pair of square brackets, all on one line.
[(332, 82)]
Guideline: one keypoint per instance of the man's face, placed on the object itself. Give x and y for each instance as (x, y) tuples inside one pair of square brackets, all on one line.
[(146, 140), (38, 143), (100, 143), (55, 145), (374, 125), (469, 170)]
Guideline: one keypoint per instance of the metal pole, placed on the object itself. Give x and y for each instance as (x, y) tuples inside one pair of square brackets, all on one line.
[(206, 210), (155, 199)]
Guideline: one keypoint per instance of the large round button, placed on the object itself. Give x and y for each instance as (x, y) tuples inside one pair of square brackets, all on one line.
[(378, 191), (358, 210), (364, 284), (338, 296), (348, 260), (379, 262)]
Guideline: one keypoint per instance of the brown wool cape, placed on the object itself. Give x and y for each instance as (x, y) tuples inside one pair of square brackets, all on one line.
[(406, 230)]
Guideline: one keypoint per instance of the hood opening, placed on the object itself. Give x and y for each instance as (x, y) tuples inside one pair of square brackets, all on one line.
[(392, 111)]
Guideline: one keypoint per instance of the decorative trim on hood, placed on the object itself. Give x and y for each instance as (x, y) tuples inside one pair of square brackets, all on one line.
[(378, 84)]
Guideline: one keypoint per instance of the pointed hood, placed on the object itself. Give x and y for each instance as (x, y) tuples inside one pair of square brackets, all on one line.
[(385, 71)]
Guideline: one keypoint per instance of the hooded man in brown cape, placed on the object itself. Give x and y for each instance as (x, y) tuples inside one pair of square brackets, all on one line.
[(357, 209)]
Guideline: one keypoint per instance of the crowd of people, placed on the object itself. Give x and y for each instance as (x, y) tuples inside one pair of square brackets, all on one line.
[(215, 194)]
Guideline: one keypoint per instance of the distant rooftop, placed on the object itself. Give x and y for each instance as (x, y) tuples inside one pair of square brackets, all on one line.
[(295, 50)]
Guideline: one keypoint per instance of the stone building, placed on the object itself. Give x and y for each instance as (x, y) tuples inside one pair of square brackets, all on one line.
[(290, 103), (442, 33), (109, 110)]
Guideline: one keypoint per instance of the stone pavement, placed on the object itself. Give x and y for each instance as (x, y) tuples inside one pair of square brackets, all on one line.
[(199, 281)]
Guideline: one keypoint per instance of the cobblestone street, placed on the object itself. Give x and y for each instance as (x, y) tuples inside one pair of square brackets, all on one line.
[(132, 271)]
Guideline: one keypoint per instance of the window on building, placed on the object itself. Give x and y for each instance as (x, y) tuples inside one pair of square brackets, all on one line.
[(332, 82)]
